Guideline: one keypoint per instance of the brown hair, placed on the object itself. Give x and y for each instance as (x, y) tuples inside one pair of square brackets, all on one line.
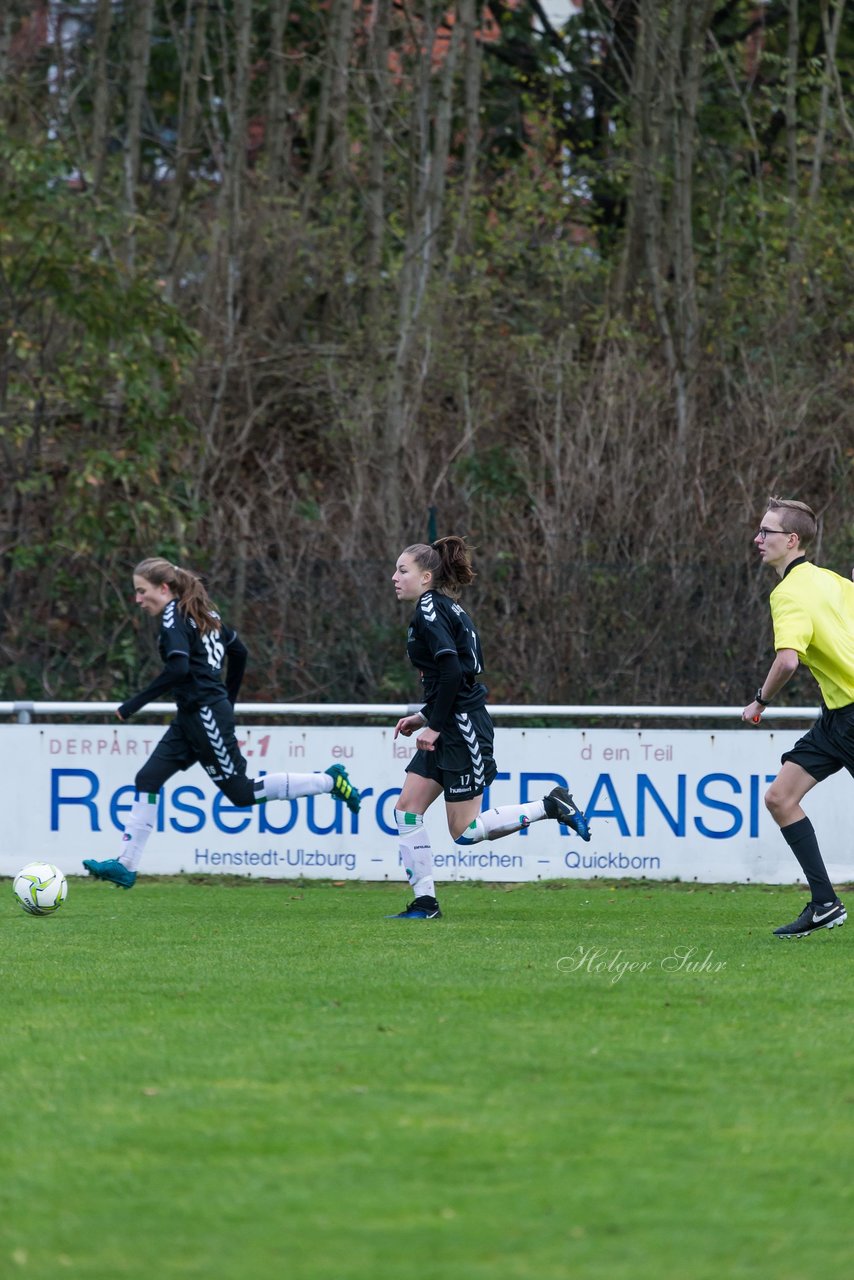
[(449, 561), (796, 517), (193, 599)]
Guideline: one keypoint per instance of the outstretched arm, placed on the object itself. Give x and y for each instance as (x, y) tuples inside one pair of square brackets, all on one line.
[(177, 669)]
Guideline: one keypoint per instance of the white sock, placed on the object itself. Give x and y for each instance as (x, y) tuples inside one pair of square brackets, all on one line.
[(139, 826), (495, 823), (415, 853), (289, 786)]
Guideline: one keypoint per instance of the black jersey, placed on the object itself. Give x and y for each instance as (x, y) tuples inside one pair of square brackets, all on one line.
[(205, 653), (194, 663), (441, 630)]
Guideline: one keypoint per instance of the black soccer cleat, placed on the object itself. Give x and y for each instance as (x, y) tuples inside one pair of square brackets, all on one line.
[(560, 805), (815, 916), (421, 909)]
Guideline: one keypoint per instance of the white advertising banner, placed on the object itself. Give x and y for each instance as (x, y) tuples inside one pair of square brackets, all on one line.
[(663, 804)]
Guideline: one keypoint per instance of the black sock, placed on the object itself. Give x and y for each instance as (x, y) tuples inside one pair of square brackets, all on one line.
[(800, 837)]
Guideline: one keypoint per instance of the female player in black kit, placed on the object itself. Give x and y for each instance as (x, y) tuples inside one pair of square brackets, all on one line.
[(455, 730), (194, 644)]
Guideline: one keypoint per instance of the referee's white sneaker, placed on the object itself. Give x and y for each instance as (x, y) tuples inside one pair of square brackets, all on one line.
[(815, 915)]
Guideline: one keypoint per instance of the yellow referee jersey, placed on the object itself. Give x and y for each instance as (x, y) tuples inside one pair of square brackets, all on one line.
[(813, 613)]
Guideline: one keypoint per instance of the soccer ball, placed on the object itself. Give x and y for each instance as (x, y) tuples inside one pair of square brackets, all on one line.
[(40, 888)]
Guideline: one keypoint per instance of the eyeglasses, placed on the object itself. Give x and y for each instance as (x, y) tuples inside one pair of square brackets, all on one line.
[(762, 533)]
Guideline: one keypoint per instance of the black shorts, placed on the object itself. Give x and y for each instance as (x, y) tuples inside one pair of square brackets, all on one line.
[(206, 737), (828, 746), (462, 762)]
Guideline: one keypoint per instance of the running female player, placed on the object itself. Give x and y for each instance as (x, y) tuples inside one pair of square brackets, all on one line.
[(198, 649), (455, 731)]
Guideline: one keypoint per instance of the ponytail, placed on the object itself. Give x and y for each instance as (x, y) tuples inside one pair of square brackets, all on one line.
[(189, 590), (449, 560)]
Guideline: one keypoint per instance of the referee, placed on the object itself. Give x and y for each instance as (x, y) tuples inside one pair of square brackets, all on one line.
[(812, 610)]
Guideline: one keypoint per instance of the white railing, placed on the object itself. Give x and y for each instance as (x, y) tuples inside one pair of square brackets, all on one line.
[(24, 712)]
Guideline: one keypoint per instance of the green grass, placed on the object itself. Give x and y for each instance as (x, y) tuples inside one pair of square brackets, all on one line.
[(239, 1080)]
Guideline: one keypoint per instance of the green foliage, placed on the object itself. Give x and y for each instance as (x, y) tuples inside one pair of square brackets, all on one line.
[(490, 473), (213, 366), (92, 359)]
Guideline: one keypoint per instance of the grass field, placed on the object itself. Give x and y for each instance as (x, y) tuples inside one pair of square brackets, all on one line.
[(239, 1080)]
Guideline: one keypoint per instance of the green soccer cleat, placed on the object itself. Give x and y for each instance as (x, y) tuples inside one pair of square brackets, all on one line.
[(113, 870), (343, 788)]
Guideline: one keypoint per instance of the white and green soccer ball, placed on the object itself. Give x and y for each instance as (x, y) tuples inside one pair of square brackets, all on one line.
[(40, 888)]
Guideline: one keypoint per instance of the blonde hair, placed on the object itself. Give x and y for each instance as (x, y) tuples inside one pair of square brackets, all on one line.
[(796, 516)]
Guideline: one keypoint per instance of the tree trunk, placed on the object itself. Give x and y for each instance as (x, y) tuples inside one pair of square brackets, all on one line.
[(430, 134), (830, 31), (473, 59), (140, 54), (191, 48), (378, 106), (339, 94), (660, 240), (223, 285), (101, 96), (322, 121), (793, 190), (277, 135), (834, 66)]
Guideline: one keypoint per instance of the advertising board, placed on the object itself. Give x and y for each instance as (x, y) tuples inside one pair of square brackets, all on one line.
[(663, 804)]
